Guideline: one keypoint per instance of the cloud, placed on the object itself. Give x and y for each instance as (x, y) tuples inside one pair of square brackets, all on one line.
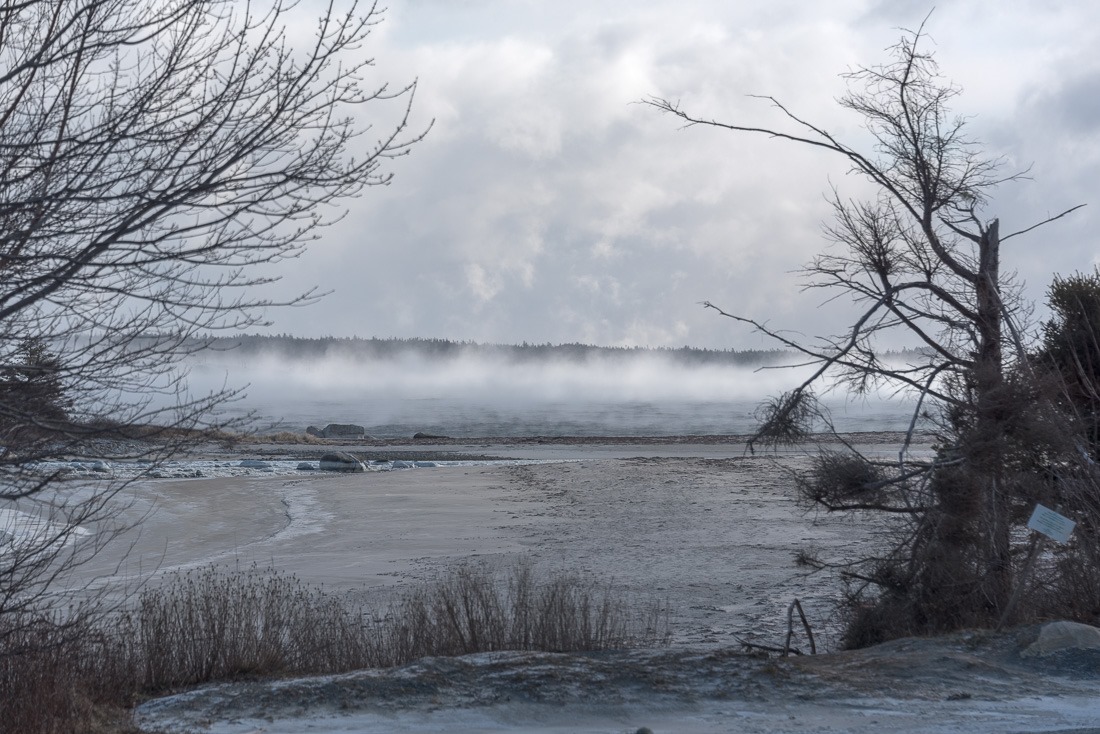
[(546, 205)]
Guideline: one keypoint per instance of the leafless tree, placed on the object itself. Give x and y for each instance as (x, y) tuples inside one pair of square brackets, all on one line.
[(155, 157), (923, 258)]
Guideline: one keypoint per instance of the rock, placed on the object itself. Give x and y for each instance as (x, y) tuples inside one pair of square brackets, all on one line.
[(419, 435), (400, 464), (341, 461), (306, 466), (254, 464), (343, 430), (337, 430), (1059, 636), (99, 465)]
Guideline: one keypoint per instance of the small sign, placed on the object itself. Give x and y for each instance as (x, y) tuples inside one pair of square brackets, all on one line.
[(1051, 524)]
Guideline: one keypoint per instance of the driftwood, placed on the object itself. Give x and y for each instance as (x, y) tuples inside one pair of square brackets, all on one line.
[(787, 650), (790, 629), (768, 648)]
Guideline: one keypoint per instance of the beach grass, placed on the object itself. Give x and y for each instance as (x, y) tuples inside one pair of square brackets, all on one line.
[(219, 624)]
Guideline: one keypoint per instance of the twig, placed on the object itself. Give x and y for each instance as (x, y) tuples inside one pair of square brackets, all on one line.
[(768, 648)]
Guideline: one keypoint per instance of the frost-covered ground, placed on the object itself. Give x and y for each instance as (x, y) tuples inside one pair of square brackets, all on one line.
[(220, 468), (958, 684)]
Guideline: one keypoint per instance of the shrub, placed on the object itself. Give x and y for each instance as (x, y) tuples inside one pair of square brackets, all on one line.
[(217, 624), (470, 610)]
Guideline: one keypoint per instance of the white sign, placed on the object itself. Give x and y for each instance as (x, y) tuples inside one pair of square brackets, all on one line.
[(1051, 524)]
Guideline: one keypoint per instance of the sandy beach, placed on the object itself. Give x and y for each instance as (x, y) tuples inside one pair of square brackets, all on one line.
[(703, 526)]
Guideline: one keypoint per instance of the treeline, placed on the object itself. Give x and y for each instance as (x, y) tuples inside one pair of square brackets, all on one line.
[(300, 348)]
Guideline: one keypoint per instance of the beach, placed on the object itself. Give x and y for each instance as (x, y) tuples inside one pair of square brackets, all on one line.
[(705, 527)]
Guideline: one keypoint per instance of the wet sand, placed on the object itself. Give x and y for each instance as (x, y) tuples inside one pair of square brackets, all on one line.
[(703, 526)]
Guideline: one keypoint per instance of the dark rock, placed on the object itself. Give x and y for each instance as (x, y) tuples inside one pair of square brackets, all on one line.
[(343, 430), (337, 430), (341, 461), (306, 466), (419, 435)]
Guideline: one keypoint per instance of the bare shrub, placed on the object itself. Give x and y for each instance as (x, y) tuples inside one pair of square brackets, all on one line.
[(59, 678), (216, 624), (213, 624), (36, 682), (471, 610)]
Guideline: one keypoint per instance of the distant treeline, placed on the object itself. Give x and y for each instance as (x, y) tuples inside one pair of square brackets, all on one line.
[(300, 348)]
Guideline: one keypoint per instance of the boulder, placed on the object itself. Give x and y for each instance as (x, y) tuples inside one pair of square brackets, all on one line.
[(315, 432), (1056, 637), (254, 464), (305, 466), (420, 436), (343, 430), (341, 461)]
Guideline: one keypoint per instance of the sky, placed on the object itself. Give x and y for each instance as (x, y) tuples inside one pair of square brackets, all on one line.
[(547, 205)]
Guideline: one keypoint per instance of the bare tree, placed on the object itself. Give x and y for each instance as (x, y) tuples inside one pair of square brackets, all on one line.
[(920, 258), (154, 155)]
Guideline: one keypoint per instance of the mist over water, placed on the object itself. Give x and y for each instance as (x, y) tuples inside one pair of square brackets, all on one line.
[(474, 395)]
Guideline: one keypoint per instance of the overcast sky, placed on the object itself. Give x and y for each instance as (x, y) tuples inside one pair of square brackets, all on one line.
[(547, 206)]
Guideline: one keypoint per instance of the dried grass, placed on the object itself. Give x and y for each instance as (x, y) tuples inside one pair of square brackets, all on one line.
[(218, 624)]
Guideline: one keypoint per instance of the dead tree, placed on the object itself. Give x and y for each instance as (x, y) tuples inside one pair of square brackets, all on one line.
[(155, 157), (922, 258)]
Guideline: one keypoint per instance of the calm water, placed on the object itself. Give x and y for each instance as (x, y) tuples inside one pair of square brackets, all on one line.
[(394, 417), (472, 398)]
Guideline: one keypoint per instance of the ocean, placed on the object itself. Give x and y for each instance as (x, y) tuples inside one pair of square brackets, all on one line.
[(481, 396)]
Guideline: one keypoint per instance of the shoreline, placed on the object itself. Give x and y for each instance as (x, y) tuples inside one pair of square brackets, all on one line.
[(511, 448), (858, 437), (700, 524)]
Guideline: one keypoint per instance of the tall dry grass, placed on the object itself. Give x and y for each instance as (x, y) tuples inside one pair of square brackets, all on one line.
[(217, 624), (472, 610)]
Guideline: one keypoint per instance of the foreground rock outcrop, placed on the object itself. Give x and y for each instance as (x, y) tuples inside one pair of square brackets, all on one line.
[(969, 681)]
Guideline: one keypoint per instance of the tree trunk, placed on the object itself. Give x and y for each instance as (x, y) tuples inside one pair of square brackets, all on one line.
[(986, 445)]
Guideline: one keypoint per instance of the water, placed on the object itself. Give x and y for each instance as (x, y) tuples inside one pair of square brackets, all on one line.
[(397, 417), (485, 398)]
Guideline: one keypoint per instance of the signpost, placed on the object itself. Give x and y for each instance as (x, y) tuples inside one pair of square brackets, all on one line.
[(1054, 526), (1051, 524)]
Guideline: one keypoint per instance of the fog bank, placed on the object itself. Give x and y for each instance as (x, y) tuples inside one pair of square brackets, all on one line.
[(472, 393)]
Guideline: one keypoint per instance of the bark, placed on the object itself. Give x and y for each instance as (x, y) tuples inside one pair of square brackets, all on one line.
[(988, 454)]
